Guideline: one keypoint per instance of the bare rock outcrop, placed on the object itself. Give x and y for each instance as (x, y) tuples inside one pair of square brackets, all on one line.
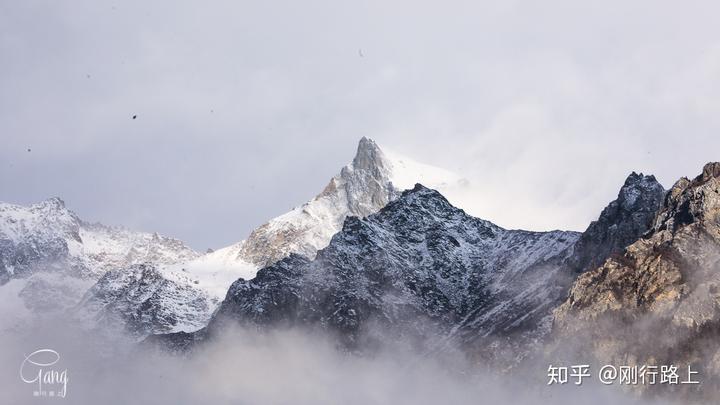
[(659, 302)]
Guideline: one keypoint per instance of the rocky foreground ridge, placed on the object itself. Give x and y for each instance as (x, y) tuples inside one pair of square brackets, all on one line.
[(658, 302)]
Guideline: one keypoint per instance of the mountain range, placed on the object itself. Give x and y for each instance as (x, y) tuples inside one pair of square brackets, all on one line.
[(380, 255), (49, 257), (423, 271), (124, 278)]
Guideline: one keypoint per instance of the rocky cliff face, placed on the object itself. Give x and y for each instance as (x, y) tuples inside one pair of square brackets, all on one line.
[(363, 187), (421, 270), (658, 303), (620, 224)]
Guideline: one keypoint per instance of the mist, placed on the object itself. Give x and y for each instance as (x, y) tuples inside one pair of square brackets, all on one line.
[(273, 367)]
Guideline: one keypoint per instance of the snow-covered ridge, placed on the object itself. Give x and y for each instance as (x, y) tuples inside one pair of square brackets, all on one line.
[(49, 257), (42, 220), (374, 178), (48, 231), (363, 187), (418, 268), (150, 279), (112, 247)]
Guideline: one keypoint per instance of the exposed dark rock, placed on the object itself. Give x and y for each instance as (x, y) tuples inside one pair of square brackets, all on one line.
[(620, 224), (658, 303), (420, 270)]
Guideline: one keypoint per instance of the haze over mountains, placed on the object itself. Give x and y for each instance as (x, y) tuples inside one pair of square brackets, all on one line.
[(658, 302), (151, 285), (182, 296), (380, 255), (49, 257), (425, 272)]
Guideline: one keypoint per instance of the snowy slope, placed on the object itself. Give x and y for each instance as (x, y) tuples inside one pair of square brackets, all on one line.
[(362, 187), (47, 236), (424, 271), (419, 269), (49, 257), (42, 236), (405, 173), (112, 247), (212, 272)]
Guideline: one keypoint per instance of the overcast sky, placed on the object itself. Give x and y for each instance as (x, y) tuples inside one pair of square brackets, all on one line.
[(246, 109)]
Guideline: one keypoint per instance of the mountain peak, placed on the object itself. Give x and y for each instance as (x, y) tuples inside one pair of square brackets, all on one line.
[(53, 203), (424, 198), (419, 189), (368, 155), (692, 201), (659, 298), (637, 189), (636, 178), (710, 171), (416, 258), (373, 179), (621, 223), (424, 193)]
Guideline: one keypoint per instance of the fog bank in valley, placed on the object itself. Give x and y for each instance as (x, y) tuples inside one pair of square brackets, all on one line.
[(283, 367)]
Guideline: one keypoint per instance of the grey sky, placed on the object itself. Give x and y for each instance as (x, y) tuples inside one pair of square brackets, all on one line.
[(245, 109)]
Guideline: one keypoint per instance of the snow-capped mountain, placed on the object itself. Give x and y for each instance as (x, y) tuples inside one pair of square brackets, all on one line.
[(47, 236), (42, 236), (49, 257), (363, 187), (139, 298), (110, 248), (417, 269), (423, 270)]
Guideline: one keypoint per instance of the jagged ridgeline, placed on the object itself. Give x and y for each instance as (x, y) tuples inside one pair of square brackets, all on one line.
[(420, 269), (49, 258), (373, 259), (146, 283), (183, 296), (424, 271), (658, 302)]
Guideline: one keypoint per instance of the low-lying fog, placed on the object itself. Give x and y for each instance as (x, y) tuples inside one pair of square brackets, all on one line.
[(288, 367)]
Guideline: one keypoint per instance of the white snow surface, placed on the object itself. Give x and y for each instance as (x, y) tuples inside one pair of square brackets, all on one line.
[(49, 258), (95, 247), (212, 272), (405, 173), (308, 228), (362, 187)]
